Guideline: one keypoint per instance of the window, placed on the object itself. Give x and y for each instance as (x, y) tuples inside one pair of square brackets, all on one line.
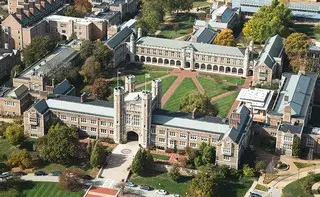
[(93, 129), (215, 59), (178, 55), (172, 142), (226, 158), (182, 143), (183, 135), (287, 146), (154, 51), (111, 124), (166, 53), (204, 139), (202, 57), (228, 60), (162, 140), (111, 132), (103, 130), (148, 51), (172, 54), (80, 33), (9, 103), (136, 120), (142, 50), (63, 31), (74, 119), (171, 133), (162, 132), (214, 140), (193, 145), (83, 120), (33, 127), (63, 117), (160, 52), (128, 117), (310, 142), (193, 137), (153, 131), (103, 123), (93, 122), (288, 138), (83, 128), (222, 60)]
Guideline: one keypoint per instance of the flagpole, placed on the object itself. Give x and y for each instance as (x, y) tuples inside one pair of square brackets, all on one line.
[(145, 81), (117, 78)]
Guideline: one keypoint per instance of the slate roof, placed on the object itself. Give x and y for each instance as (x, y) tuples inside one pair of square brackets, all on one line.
[(299, 88), (272, 49), (41, 106), (205, 35), (225, 12), (64, 87), (289, 128), (18, 92), (201, 47), (119, 37)]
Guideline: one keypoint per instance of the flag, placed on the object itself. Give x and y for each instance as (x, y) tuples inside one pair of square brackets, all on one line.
[(118, 72), (148, 75)]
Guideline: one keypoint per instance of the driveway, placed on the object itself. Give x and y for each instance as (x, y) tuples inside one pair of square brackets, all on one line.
[(145, 193), (48, 178), (118, 164)]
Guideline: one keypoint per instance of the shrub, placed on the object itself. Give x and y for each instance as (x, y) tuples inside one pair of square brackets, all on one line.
[(247, 171), (174, 173), (181, 152), (169, 150), (108, 140)]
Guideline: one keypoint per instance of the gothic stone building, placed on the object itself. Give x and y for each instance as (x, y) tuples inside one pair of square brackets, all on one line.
[(137, 115)]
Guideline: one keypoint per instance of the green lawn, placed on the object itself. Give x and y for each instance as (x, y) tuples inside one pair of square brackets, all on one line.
[(302, 165), (203, 3), (224, 104), (262, 188), (295, 189), (146, 67), (162, 157), (140, 78), (212, 88), (183, 24), (166, 83), (230, 79), (236, 188), (186, 87), (308, 30), (59, 167), (160, 180)]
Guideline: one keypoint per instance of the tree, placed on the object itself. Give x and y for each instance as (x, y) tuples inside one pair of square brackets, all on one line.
[(91, 69), (16, 69), (247, 171), (21, 158), (99, 88), (174, 173), (39, 46), (60, 145), (296, 47), (200, 102), (86, 49), (209, 155), (176, 5), (296, 149), (102, 53), (142, 161), (97, 155), (260, 166), (268, 21), (71, 180), (225, 38), (82, 6), (14, 134), (3, 128)]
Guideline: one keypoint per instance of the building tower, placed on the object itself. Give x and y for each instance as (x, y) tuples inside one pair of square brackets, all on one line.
[(157, 92), (130, 82), (246, 61), (145, 119), (118, 124), (132, 47), (139, 33), (251, 46)]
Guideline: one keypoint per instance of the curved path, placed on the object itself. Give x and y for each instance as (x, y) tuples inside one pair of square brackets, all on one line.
[(315, 188)]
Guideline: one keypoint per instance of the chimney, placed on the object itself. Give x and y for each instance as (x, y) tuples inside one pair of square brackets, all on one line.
[(38, 5), (32, 7), (218, 18), (43, 95), (234, 120), (19, 13), (43, 3), (26, 9), (287, 114), (50, 1), (194, 113), (83, 97)]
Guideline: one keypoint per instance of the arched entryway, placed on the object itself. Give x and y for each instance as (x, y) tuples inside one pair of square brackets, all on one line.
[(136, 58), (250, 73), (132, 136), (64, 37), (127, 57)]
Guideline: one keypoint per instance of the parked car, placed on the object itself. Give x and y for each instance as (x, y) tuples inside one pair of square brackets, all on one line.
[(19, 173), (56, 173), (5, 175), (254, 195), (87, 177), (131, 184), (145, 187), (162, 192), (175, 195), (40, 173)]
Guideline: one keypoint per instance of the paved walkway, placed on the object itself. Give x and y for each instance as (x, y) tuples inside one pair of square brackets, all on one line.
[(47, 178), (315, 188)]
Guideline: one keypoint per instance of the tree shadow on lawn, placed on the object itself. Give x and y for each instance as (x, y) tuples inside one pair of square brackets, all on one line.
[(18, 185), (230, 188), (185, 179)]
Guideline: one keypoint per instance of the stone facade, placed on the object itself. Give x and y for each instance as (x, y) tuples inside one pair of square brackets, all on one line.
[(8, 59)]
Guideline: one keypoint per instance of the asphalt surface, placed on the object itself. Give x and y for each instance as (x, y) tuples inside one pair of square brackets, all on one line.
[(152, 193)]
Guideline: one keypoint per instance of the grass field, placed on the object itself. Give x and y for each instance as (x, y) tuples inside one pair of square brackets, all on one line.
[(307, 29), (159, 180), (230, 79), (140, 78), (166, 83), (224, 104), (162, 157), (302, 165), (212, 88), (148, 67), (236, 188), (39, 189), (58, 167), (186, 87), (197, 4), (295, 189)]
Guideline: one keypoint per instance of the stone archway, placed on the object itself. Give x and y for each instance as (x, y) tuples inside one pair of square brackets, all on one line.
[(160, 61), (137, 59), (128, 57), (148, 59), (154, 60), (143, 59), (215, 68), (132, 136), (250, 72)]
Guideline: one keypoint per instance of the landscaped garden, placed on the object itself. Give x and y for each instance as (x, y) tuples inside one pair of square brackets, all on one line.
[(221, 78), (161, 157), (303, 165), (186, 87), (213, 88), (224, 104)]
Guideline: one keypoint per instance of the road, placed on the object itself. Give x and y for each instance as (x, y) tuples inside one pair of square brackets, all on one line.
[(48, 178), (145, 193)]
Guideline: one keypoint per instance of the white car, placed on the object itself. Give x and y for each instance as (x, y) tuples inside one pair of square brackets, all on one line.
[(175, 195), (162, 192)]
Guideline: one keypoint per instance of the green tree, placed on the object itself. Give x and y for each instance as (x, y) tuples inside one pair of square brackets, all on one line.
[(296, 146), (225, 38), (16, 69), (71, 180), (260, 166), (102, 53), (91, 69), (200, 102), (82, 6), (21, 158), (86, 49), (39, 46), (97, 155), (142, 161), (176, 5), (209, 155), (3, 128), (247, 171), (99, 88), (174, 173), (14, 134), (296, 47), (268, 21), (152, 15), (60, 145)]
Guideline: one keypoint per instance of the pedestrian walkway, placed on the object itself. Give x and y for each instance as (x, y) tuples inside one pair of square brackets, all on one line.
[(199, 87), (171, 90)]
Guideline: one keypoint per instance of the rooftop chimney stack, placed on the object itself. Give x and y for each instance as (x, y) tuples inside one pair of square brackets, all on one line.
[(26, 9), (32, 7), (38, 5), (83, 97), (19, 13)]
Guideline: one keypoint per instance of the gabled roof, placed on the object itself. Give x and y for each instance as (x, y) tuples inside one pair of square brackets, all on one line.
[(205, 35), (225, 12), (119, 37), (64, 87), (18, 92), (41, 106)]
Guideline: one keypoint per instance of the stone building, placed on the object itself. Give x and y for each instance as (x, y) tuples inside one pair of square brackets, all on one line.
[(137, 115), (8, 59)]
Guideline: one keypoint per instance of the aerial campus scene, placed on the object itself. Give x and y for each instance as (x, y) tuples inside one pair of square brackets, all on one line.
[(180, 98)]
